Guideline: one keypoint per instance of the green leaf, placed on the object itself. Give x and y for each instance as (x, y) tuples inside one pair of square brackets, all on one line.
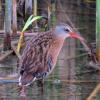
[(30, 20)]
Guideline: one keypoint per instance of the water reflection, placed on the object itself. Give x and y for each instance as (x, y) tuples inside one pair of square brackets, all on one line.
[(50, 91), (56, 87)]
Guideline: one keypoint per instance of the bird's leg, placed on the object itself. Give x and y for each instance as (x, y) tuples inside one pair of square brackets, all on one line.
[(40, 83), (23, 91)]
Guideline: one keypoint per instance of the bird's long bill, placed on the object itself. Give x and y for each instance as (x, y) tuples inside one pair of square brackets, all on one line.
[(82, 40), (77, 36)]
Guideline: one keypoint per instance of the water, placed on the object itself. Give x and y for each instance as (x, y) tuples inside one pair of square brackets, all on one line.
[(51, 92), (56, 87)]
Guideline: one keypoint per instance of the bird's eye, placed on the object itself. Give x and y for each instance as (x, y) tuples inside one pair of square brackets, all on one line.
[(66, 30)]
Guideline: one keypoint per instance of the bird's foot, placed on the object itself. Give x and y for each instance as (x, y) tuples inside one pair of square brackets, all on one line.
[(23, 91)]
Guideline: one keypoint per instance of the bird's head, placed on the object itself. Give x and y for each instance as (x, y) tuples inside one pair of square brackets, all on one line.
[(65, 31)]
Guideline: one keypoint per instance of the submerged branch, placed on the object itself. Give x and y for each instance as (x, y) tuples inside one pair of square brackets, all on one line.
[(93, 94)]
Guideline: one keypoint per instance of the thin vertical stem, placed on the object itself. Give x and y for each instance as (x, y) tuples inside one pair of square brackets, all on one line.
[(98, 29), (35, 7), (35, 14), (14, 17), (8, 15)]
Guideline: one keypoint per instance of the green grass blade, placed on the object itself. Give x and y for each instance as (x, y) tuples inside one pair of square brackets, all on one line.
[(29, 21), (35, 18)]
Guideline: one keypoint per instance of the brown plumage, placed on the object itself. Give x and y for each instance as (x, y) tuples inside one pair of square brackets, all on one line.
[(40, 54)]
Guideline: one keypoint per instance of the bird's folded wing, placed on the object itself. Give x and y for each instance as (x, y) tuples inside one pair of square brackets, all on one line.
[(35, 55)]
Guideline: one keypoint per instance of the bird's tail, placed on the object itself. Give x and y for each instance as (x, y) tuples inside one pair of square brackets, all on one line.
[(26, 79)]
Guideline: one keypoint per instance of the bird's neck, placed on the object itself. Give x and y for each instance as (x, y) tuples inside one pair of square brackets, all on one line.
[(55, 49)]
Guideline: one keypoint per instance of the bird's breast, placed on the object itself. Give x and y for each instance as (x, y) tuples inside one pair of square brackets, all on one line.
[(55, 50)]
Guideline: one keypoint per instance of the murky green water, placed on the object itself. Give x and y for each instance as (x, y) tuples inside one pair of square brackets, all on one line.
[(50, 91), (56, 87)]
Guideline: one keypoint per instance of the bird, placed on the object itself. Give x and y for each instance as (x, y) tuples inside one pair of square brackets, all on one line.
[(40, 54)]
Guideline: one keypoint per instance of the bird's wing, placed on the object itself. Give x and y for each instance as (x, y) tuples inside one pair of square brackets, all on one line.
[(35, 57), (49, 62)]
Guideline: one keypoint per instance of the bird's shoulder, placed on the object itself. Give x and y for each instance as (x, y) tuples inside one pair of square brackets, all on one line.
[(42, 37)]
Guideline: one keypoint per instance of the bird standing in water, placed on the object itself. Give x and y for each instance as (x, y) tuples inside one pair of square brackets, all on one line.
[(40, 54)]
